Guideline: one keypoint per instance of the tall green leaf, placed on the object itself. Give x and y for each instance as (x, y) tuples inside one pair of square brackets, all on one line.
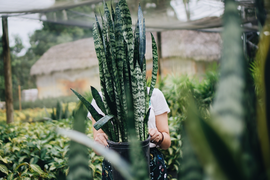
[(120, 164), (102, 121), (98, 99), (211, 148), (230, 88), (78, 154), (136, 44), (155, 65), (142, 37), (262, 81), (127, 30), (88, 106), (98, 41), (139, 104)]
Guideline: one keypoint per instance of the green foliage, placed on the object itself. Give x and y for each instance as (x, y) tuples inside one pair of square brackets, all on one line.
[(35, 151), (113, 157), (20, 67), (59, 112), (78, 153), (175, 90), (46, 102), (175, 87), (232, 143), (190, 167), (173, 155), (52, 34)]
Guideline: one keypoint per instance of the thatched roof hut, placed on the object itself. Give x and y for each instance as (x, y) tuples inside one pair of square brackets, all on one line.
[(75, 65), (79, 54), (196, 45)]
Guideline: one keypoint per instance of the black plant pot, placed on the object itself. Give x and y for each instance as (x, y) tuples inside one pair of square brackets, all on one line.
[(122, 148)]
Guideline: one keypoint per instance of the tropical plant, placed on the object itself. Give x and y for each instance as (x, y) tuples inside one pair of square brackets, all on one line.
[(229, 144), (125, 96), (122, 67)]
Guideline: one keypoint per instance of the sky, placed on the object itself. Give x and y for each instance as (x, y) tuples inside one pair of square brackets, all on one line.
[(21, 26), (23, 5), (25, 27)]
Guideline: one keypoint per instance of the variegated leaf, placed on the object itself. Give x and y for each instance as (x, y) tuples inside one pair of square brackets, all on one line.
[(102, 121), (127, 30), (98, 99), (145, 121), (37, 169), (155, 65), (136, 44), (3, 169), (113, 14), (88, 106), (141, 37)]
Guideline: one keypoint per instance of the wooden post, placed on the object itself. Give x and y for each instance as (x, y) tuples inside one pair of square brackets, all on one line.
[(7, 72), (159, 52), (20, 102)]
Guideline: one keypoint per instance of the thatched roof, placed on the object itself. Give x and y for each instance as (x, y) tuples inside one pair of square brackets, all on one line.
[(196, 45), (178, 43), (79, 54)]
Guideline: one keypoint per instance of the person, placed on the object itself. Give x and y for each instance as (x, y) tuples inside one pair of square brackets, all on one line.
[(158, 130)]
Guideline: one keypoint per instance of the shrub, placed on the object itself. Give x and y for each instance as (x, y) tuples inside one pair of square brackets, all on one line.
[(174, 89), (35, 151), (47, 102)]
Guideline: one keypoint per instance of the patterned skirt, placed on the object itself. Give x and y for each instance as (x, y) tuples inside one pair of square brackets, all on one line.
[(158, 170)]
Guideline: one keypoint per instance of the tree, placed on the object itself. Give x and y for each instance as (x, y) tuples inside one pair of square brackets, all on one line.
[(20, 69), (52, 34)]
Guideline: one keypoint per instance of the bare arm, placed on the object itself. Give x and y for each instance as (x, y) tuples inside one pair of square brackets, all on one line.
[(162, 127), (99, 136)]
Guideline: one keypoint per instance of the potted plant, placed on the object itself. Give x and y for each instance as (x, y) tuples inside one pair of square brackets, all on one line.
[(122, 69)]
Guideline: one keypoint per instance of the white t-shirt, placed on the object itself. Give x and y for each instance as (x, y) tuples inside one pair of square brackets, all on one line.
[(158, 106)]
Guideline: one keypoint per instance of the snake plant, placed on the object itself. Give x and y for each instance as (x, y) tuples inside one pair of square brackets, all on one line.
[(122, 69)]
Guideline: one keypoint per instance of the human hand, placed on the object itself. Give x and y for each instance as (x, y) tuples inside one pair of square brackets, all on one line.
[(156, 136), (101, 138)]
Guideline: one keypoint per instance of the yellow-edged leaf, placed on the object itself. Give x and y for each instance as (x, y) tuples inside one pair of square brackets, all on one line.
[(37, 169), (22, 164), (4, 160), (3, 169), (10, 176), (170, 151)]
